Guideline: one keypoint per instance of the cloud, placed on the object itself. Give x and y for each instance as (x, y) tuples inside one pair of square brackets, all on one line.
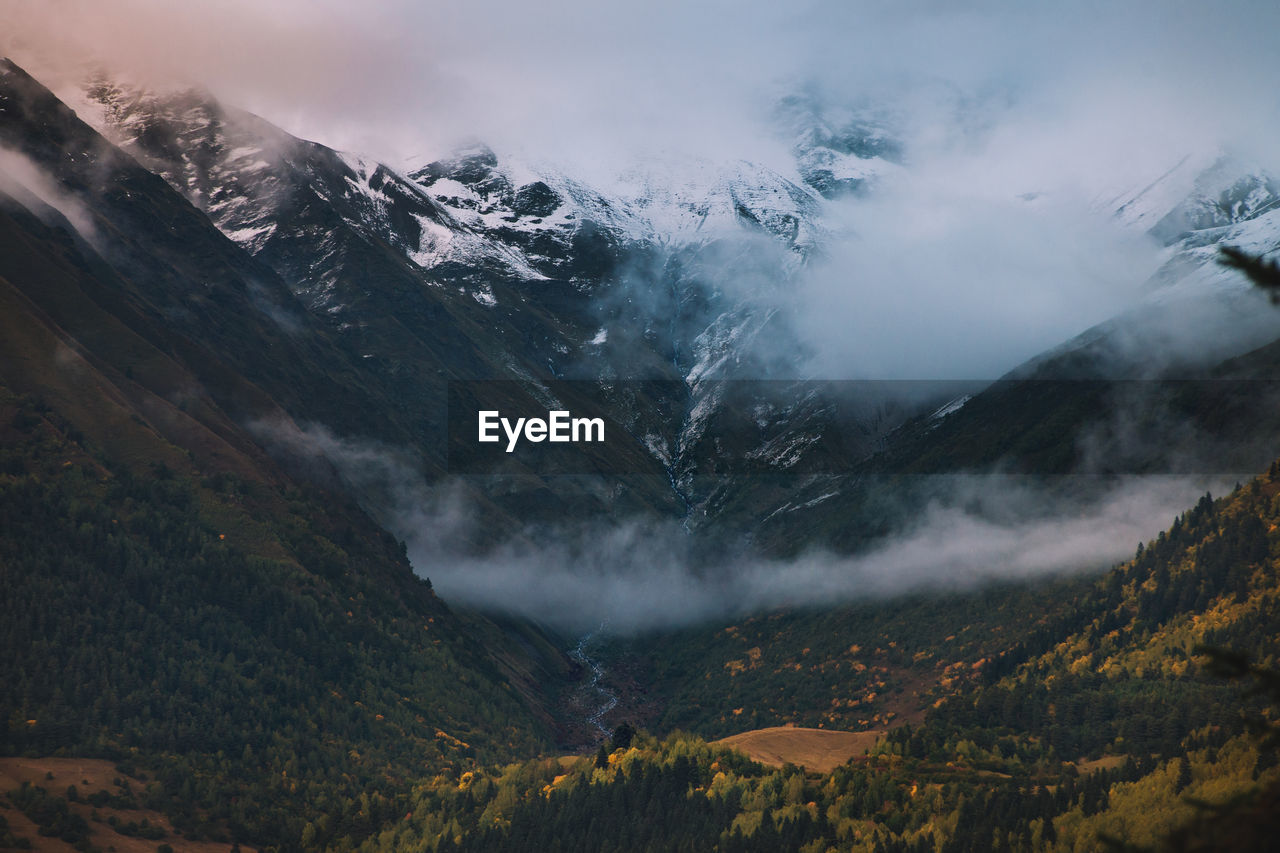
[(956, 271), (642, 574), (400, 76), (24, 181)]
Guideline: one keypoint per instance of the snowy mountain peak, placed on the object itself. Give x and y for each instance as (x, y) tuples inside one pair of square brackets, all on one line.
[(839, 151)]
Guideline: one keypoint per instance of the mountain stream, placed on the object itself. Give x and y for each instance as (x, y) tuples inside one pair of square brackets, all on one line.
[(598, 697)]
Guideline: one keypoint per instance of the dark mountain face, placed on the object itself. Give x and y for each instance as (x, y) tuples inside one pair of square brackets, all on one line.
[(459, 270), (182, 278), (155, 337), (347, 295), (225, 611)]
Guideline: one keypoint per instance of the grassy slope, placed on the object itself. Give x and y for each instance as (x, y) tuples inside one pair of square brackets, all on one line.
[(173, 596), (1003, 758)]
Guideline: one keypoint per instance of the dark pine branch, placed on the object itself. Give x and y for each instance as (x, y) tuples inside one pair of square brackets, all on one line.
[(1263, 273)]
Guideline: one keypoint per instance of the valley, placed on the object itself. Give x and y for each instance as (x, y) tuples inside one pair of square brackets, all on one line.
[(253, 599)]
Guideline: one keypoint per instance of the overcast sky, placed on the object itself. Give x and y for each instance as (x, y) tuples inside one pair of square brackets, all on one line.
[(996, 100), (396, 76)]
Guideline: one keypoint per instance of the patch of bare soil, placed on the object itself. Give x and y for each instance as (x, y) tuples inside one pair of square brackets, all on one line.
[(820, 750), (89, 776)]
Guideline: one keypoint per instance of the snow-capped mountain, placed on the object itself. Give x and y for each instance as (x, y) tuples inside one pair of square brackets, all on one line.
[(468, 267), (464, 222), (476, 266), (839, 151), (1195, 312), (658, 279)]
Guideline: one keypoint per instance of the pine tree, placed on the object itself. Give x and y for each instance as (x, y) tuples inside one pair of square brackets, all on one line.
[(1184, 776), (1263, 273)]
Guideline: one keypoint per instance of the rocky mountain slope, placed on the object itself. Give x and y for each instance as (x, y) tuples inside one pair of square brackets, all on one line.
[(472, 267)]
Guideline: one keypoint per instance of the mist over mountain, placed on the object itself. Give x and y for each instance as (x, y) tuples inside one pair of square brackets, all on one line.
[(892, 329), (1002, 160), (883, 218)]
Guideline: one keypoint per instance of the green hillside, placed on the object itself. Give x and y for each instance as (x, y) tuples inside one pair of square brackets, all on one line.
[(262, 650), (1097, 717)]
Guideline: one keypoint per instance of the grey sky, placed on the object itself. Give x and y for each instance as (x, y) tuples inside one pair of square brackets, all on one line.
[(397, 76)]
